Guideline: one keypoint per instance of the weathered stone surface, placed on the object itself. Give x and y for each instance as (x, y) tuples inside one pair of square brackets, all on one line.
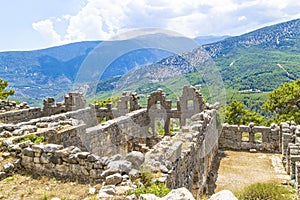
[(92, 191), (179, 194), (83, 155), (92, 158), (134, 174), (113, 179), (120, 166), (223, 195), (148, 197), (107, 191), (51, 148), (136, 158), (5, 134), (28, 152), (8, 167)]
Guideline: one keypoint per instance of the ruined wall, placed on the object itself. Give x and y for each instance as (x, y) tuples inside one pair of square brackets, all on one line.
[(65, 129), (17, 116), (290, 147), (269, 137), (10, 112), (190, 103), (53, 159), (185, 159), (72, 101), (128, 102), (120, 135), (11, 105)]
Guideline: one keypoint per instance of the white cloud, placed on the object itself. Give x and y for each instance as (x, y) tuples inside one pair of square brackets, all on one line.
[(102, 19), (46, 28), (242, 18)]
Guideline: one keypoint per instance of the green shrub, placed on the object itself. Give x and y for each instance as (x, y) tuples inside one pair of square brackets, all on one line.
[(264, 191), (146, 176), (158, 189), (33, 138)]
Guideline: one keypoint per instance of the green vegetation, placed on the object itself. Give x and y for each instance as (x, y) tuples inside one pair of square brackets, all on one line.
[(4, 94), (44, 197), (33, 138), (103, 103), (284, 102), (10, 178), (265, 191), (237, 114), (158, 189)]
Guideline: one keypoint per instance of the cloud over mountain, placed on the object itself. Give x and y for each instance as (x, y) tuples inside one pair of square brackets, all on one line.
[(101, 19)]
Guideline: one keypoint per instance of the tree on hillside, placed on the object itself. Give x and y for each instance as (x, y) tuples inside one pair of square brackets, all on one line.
[(284, 102), (5, 93), (236, 114)]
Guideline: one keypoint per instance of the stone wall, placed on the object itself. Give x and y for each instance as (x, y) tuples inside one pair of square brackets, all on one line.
[(128, 102), (11, 105), (10, 112), (291, 150), (190, 103), (72, 101), (17, 116), (185, 159), (65, 129), (88, 151), (120, 135), (53, 159), (269, 137)]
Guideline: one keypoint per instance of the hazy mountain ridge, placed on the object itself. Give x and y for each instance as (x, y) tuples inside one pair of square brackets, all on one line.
[(275, 36), (250, 65), (257, 61)]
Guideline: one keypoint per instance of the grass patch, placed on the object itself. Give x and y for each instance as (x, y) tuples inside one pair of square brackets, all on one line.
[(148, 187), (33, 138), (265, 191), (9, 179), (158, 189)]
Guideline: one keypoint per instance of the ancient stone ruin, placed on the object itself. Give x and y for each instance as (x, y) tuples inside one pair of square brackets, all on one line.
[(77, 146)]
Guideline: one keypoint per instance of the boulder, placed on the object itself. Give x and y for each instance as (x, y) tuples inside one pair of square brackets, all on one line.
[(223, 195), (179, 194), (136, 158), (120, 166), (148, 197), (113, 179)]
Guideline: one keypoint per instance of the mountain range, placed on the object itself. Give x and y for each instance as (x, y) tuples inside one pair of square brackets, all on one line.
[(253, 63)]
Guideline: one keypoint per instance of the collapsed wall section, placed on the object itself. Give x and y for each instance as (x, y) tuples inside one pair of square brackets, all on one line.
[(251, 137), (185, 159)]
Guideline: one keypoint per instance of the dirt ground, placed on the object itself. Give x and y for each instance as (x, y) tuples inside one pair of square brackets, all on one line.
[(23, 185), (240, 169)]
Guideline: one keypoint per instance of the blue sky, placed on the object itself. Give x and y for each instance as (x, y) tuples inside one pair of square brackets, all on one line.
[(34, 24)]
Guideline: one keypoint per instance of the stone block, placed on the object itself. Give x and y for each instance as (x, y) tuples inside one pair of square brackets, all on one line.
[(28, 152)]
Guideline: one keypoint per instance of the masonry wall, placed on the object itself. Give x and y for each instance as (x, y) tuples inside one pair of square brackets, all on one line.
[(17, 116), (186, 158), (232, 138), (53, 159), (66, 129), (120, 135)]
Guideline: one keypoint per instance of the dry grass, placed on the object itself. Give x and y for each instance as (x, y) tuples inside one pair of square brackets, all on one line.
[(240, 169), (25, 186)]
